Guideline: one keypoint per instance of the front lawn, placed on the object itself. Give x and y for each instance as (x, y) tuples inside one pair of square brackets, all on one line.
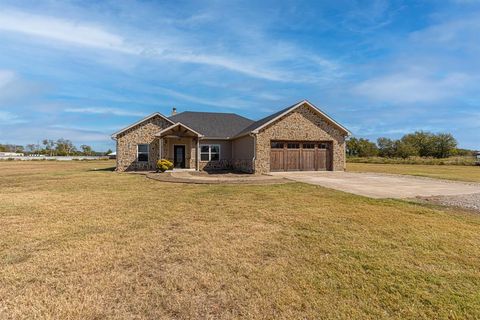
[(93, 244), (456, 172)]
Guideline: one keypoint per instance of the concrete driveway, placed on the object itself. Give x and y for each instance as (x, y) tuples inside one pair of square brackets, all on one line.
[(376, 185)]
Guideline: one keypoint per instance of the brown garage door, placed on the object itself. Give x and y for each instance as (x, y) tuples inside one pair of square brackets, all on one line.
[(300, 156)]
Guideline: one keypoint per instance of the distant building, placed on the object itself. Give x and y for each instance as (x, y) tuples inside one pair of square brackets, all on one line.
[(477, 157), (112, 155), (11, 154)]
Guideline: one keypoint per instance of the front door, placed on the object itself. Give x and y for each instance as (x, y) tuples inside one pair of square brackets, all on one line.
[(179, 156)]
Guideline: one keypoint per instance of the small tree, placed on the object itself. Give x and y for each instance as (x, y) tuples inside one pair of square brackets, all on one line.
[(31, 148), (87, 150), (421, 141), (49, 146), (361, 148), (386, 147), (444, 145), (404, 150)]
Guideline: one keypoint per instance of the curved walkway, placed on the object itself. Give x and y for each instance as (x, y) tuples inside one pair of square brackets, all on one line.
[(196, 177)]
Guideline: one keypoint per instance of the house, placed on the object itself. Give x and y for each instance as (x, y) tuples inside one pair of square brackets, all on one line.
[(299, 137)]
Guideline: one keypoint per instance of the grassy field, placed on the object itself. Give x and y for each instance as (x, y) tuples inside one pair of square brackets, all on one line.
[(457, 160), (461, 173), (78, 243)]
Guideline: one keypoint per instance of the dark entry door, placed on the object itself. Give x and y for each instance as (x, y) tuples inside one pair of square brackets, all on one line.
[(179, 156)]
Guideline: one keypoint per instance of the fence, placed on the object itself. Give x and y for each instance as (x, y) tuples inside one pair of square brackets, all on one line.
[(57, 158)]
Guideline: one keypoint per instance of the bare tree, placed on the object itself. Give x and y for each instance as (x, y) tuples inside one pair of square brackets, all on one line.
[(31, 148), (49, 146)]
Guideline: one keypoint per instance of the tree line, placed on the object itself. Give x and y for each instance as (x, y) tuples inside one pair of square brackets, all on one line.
[(419, 144), (49, 147)]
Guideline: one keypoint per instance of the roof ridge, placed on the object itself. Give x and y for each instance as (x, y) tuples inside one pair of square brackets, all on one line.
[(210, 112)]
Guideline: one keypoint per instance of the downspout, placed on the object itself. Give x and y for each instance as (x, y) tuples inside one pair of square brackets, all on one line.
[(198, 154), (116, 153), (254, 150)]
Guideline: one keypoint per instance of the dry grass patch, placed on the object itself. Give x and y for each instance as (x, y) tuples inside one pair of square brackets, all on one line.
[(456, 172), (88, 244)]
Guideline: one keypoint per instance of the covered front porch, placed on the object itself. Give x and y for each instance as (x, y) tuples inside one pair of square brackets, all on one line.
[(180, 144)]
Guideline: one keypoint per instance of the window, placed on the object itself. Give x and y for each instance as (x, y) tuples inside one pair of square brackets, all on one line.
[(210, 152), (308, 146), (277, 145), (293, 145), (142, 152), (323, 146)]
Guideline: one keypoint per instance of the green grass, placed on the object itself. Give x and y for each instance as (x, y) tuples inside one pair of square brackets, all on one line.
[(457, 160), (82, 244), (455, 172)]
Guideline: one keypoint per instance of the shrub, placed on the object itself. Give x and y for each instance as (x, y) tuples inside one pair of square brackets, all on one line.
[(164, 165)]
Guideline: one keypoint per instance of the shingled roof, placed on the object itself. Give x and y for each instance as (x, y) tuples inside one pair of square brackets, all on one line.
[(256, 124), (213, 124)]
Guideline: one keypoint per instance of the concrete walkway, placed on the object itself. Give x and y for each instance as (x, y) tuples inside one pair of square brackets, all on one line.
[(377, 185)]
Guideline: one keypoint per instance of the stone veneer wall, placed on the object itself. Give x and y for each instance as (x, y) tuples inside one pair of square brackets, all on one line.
[(302, 124), (225, 164), (143, 133)]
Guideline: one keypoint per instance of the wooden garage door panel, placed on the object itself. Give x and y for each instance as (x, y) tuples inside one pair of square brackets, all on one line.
[(293, 160), (277, 160), (308, 159), (321, 159)]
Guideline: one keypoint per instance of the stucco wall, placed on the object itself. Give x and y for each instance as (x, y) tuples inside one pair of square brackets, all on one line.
[(143, 133), (190, 150), (242, 154), (301, 124), (225, 155)]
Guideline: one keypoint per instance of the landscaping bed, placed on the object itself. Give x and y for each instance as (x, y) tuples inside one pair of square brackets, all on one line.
[(221, 177)]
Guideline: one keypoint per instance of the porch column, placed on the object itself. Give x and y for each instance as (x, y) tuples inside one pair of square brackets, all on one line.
[(160, 149)]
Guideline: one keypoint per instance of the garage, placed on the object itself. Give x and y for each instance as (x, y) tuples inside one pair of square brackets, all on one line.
[(300, 156)]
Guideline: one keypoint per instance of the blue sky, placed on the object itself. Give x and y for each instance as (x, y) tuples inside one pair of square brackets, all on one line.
[(83, 69)]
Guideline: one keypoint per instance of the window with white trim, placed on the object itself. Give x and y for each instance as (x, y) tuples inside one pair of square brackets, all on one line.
[(209, 152), (142, 152)]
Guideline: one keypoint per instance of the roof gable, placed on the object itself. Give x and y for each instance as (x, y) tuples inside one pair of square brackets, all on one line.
[(153, 115), (264, 122), (178, 124)]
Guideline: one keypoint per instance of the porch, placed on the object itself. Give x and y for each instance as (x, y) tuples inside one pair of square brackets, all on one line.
[(180, 144)]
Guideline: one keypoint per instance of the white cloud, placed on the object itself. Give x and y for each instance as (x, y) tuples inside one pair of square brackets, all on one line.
[(102, 110), (74, 32), (411, 87), (231, 103), (266, 61), (8, 118), (450, 34)]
